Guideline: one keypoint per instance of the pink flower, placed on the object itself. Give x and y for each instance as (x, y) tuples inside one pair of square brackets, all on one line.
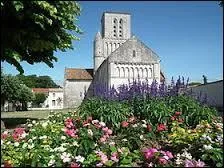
[(109, 131), (169, 154), (114, 157), (177, 113), (189, 163), (149, 128), (99, 164), (104, 158), (70, 132), (69, 123), (199, 163), (105, 129), (149, 153), (124, 124), (162, 161), (103, 139), (161, 127), (4, 135), (75, 165)]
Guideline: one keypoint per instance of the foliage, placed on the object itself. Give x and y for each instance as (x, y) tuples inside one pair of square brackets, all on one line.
[(65, 140), (39, 28), (39, 98), (33, 81), (111, 112), (12, 89)]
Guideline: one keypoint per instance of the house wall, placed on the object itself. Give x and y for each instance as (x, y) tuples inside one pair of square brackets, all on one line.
[(214, 92), (74, 92)]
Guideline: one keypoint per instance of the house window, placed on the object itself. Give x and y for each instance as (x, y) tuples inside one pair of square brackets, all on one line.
[(53, 102), (134, 53)]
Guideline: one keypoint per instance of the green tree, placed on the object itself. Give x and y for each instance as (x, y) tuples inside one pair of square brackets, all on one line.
[(39, 98), (12, 89), (33, 81), (32, 30)]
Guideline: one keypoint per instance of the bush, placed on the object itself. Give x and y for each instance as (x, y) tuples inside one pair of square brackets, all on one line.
[(109, 111)]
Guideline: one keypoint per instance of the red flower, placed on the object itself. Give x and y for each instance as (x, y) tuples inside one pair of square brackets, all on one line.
[(173, 118), (180, 120), (161, 127), (149, 128), (7, 164), (4, 136), (124, 124), (89, 119), (177, 113), (75, 165)]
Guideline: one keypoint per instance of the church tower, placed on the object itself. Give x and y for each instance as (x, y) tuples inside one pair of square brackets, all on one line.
[(116, 29)]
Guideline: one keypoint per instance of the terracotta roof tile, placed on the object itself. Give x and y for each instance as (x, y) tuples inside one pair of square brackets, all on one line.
[(83, 74), (40, 90)]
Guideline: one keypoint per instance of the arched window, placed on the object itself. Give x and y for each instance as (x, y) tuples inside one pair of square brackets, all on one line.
[(145, 72), (121, 28), (115, 28), (141, 73), (134, 53), (118, 72), (127, 74), (122, 72), (136, 72), (150, 73), (132, 72)]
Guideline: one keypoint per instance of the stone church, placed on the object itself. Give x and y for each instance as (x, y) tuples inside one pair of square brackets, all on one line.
[(118, 57)]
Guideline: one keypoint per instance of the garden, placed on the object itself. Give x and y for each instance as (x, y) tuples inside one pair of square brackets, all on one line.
[(135, 125)]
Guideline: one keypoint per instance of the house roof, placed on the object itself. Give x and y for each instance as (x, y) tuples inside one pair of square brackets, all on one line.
[(40, 90), (79, 74)]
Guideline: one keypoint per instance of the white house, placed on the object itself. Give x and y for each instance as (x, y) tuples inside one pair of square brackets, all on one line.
[(54, 98)]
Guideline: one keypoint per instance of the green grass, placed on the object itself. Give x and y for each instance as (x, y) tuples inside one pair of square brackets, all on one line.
[(13, 119)]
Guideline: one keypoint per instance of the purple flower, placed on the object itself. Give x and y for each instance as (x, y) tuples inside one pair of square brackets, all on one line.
[(189, 163)]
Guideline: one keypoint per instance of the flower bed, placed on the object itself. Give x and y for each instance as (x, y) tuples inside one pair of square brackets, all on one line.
[(68, 140)]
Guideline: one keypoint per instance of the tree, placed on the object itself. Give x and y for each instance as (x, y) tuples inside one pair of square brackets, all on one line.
[(39, 98), (33, 81), (32, 30), (12, 89)]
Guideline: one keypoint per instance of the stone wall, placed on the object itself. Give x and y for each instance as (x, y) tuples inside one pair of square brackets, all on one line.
[(74, 92)]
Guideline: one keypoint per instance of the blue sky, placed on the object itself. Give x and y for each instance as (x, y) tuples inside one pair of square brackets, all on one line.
[(188, 37)]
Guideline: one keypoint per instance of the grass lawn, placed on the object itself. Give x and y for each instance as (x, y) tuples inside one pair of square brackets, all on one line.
[(13, 119)]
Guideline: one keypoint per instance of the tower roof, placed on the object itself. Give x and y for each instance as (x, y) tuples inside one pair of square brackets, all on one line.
[(98, 35)]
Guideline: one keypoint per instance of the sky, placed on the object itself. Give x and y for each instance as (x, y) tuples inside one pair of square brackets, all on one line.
[(187, 36)]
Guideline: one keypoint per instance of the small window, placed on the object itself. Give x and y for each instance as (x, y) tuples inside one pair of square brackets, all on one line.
[(114, 35), (120, 27), (114, 31), (53, 94), (120, 31), (134, 53), (53, 102), (120, 35)]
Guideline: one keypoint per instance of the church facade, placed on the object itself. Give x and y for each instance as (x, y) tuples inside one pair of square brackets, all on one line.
[(118, 58)]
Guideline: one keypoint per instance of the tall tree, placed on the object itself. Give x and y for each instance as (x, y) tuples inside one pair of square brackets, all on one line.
[(32, 30), (34, 81)]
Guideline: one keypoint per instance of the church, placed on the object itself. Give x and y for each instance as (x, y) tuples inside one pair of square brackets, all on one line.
[(118, 58)]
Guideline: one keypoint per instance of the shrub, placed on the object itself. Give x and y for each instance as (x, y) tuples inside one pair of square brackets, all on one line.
[(109, 111)]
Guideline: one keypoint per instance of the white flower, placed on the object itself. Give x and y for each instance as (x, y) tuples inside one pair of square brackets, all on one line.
[(2, 142), (24, 145), (186, 155), (8, 143), (95, 145), (125, 140), (90, 132), (44, 124), (51, 162), (5, 132), (102, 124), (61, 149), (34, 122), (75, 143), (16, 144), (54, 121), (141, 137), (79, 158), (112, 143), (43, 137), (30, 146), (30, 125), (34, 138), (207, 147), (64, 144), (178, 161), (144, 121), (134, 125), (24, 135), (95, 121), (66, 157), (144, 125), (63, 137), (30, 140)]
